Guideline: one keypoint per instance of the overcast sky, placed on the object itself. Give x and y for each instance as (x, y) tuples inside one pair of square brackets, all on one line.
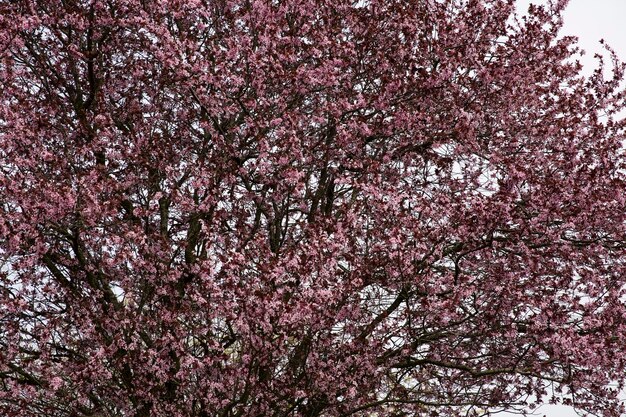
[(590, 20)]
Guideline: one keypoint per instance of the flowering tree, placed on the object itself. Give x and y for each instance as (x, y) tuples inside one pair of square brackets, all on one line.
[(306, 208)]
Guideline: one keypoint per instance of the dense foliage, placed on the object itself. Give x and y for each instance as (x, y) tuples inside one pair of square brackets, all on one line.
[(306, 208)]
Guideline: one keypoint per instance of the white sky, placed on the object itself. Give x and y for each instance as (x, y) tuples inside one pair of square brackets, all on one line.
[(590, 20)]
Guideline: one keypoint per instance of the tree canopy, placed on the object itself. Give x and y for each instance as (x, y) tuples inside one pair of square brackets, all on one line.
[(306, 208)]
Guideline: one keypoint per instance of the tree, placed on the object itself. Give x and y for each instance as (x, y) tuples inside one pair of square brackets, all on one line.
[(306, 208)]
